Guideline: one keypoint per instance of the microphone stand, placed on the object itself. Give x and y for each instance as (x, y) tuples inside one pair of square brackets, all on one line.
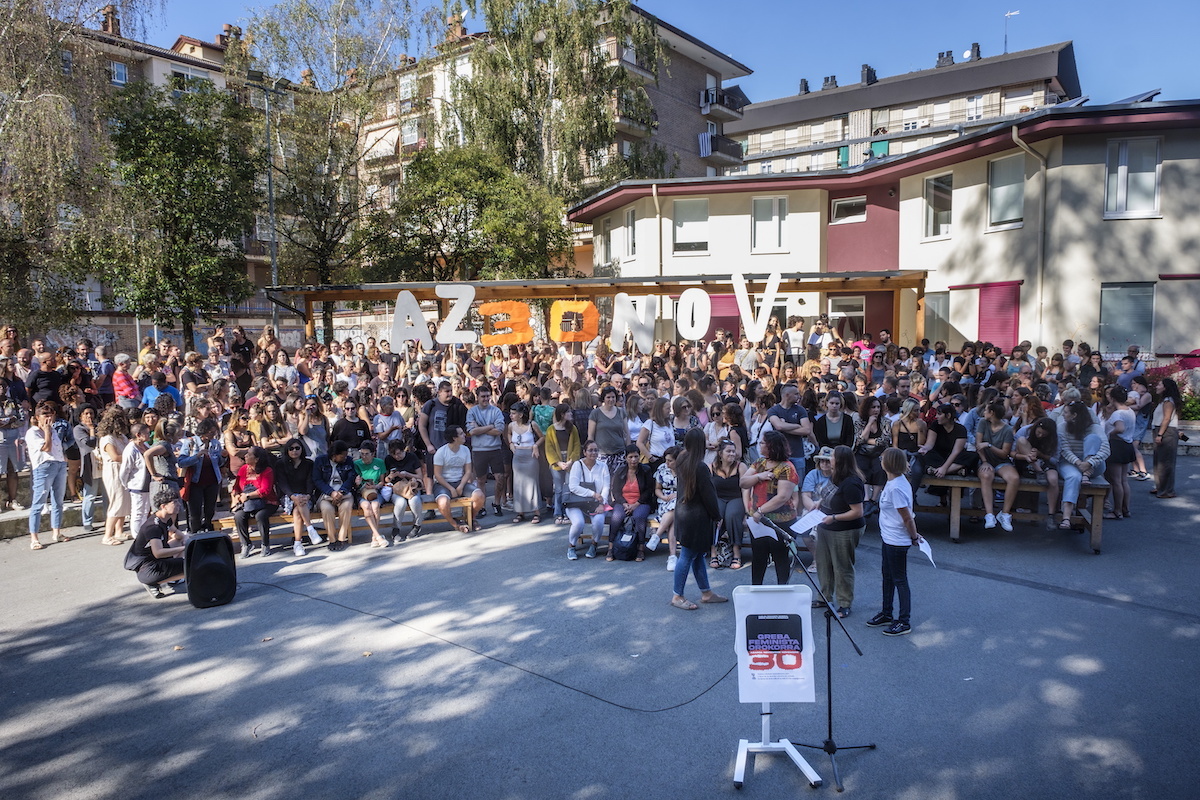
[(830, 745)]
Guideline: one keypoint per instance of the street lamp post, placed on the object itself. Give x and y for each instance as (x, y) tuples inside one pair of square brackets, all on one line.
[(256, 79)]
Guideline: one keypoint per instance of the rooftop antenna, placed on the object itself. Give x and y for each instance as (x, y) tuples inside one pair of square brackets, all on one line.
[(1006, 16)]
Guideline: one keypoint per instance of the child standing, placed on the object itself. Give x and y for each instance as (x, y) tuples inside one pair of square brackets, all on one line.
[(898, 529)]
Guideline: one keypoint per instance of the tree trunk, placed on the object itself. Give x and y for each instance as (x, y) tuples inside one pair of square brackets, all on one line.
[(327, 320), (187, 324)]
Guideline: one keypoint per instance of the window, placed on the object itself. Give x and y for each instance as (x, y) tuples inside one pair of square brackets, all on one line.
[(606, 241), (843, 156), (1006, 191), (1126, 317), (937, 316), (630, 233), (911, 123), (791, 164), (1132, 179), (409, 132), (848, 209), (186, 79), (408, 88), (974, 107), (262, 228), (939, 193), (691, 226), (847, 317), (770, 214), (1000, 313), (766, 168), (118, 73)]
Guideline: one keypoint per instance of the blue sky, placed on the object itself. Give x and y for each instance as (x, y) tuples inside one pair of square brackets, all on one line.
[(1121, 48)]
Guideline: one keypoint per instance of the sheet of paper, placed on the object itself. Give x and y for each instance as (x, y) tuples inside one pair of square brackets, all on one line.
[(809, 521), (758, 530), (926, 549)]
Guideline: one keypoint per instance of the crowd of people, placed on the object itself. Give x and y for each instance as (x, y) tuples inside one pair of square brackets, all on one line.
[(679, 446)]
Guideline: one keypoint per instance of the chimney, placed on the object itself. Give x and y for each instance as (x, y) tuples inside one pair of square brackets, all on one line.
[(830, 82), (228, 33), (945, 59), (111, 23), (975, 56), (306, 78), (455, 29), (803, 86), (868, 75)]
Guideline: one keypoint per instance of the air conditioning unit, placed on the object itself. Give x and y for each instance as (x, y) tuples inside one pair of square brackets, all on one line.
[(923, 122)]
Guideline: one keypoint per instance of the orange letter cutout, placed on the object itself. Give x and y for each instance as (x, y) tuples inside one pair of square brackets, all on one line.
[(517, 324), (591, 320)]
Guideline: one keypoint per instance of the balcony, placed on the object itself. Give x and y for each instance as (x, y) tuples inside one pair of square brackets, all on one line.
[(635, 119), (719, 151), (410, 150), (627, 59), (717, 104)]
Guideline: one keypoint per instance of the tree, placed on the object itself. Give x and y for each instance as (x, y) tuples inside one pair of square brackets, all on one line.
[(342, 50), (466, 216), (55, 180), (187, 164), (544, 90)]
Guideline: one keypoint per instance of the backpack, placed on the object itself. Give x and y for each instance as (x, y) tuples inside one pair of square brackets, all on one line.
[(625, 546)]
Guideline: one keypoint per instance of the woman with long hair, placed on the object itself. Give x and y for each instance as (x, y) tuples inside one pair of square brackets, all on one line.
[(728, 471), (632, 489), (771, 483), (524, 439), (113, 431), (1082, 452), (839, 533), (695, 513), (656, 434), (1036, 455), (1141, 400), (873, 436), (994, 445), (255, 491), (1118, 421), (561, 449), (1165, 425)]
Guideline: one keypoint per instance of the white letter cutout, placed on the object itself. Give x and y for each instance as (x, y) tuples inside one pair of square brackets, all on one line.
[(693, 314), (627, 317), (408, 322), (463, 295), (755, 327)]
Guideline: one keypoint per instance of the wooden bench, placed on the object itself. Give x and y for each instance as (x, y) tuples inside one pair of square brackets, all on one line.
[(1090, 519), (464, 503)]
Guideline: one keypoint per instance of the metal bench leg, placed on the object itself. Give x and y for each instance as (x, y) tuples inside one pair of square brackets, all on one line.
[(956, 495)]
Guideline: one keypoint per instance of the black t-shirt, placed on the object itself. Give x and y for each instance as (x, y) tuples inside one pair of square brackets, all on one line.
[(438, 414), (153, 528), (188, 376), (351, 431), (944, 443), (409, 462), (243, 350), (849, 493)]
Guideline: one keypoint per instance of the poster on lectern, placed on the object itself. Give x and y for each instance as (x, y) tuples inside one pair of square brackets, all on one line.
[(774, 644)]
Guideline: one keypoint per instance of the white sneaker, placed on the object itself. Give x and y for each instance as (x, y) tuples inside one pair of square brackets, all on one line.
[(1005, 521), (671, 561), (652, 545), (314, 538), (298, 549), (989, 521), (18, 506)]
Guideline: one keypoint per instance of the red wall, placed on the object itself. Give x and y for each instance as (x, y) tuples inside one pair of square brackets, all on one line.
[(872, 244)]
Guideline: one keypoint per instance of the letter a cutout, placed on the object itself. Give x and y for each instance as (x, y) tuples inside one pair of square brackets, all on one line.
[(408, 322)]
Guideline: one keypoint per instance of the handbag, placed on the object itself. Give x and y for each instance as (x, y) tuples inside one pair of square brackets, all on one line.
[(585, 504), (254, 505)]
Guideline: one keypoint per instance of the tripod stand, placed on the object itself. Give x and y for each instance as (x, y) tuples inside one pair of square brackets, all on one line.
[(830, 745)]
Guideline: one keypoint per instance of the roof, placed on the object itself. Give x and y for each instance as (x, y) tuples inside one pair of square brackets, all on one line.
[(1039, 125), (1056, 61), (198, 43), (149, 49), (697, 50)]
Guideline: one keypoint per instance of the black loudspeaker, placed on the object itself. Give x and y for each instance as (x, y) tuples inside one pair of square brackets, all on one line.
[(210, 570)]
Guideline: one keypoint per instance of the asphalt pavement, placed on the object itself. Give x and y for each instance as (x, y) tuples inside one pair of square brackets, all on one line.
[(489, 666)]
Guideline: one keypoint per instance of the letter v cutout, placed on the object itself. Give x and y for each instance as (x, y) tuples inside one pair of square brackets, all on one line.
[(755, 326)]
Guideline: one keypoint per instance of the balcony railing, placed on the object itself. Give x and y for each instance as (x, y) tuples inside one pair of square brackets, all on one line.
[(628, 59), (720, 149), (718, 104)]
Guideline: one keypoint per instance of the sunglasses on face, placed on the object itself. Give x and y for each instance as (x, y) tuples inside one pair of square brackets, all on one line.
[(296, 448)]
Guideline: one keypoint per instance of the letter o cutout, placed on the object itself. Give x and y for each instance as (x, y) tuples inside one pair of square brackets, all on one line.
[(693, 314), (591, 320)]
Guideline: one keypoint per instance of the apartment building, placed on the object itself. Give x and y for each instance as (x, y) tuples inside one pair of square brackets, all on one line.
[(842, 126), (1066, 222), (682, 109)]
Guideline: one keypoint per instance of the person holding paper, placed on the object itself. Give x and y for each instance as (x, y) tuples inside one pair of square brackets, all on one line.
[(838, 535), (772, 482), (898, 529)]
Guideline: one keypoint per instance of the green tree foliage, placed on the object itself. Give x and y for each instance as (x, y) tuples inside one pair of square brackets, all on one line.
[(55, 187), (545, 87), (187, 163), (466, 216), (341, 51)]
